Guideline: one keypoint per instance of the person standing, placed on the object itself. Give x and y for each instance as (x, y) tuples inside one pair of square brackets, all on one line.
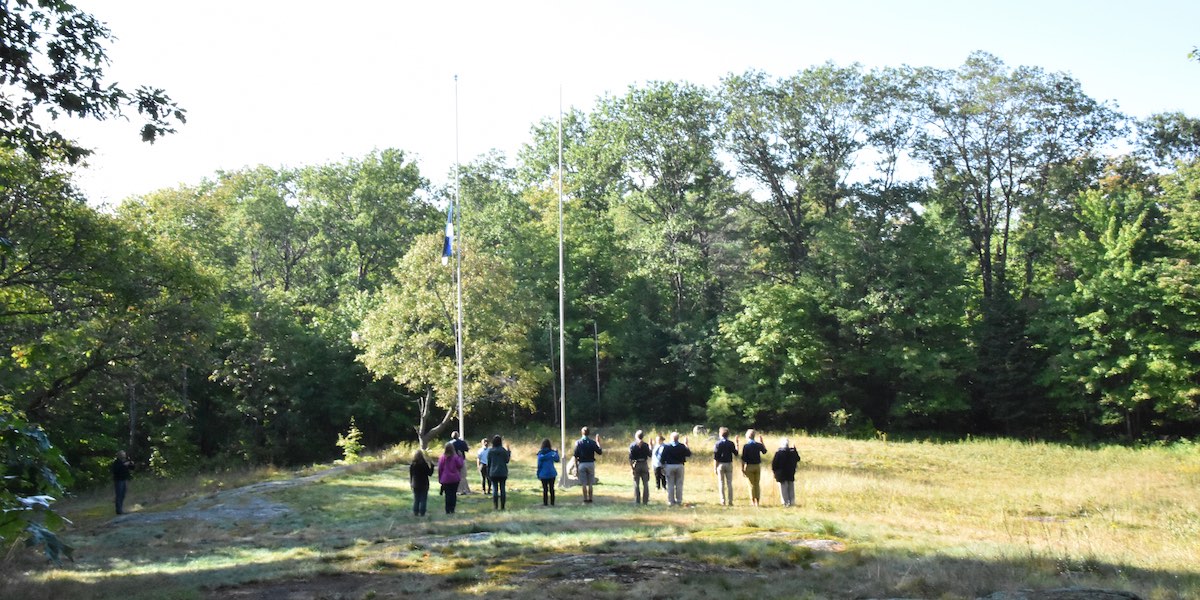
[(784, 465), (546, 472), (674, 455), (122, 471), (463, 449), (481, 459), (639, 462), (660, 479), (418, 479), (723, 454), (753, 452), (498, 457), (450, 471), (586, 450)]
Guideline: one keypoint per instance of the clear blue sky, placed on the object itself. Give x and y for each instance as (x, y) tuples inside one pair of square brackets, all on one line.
[(291, 83)]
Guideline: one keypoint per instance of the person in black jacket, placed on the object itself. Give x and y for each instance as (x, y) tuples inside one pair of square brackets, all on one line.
[(418, 479), (122, 469), (753, 452), (586, 450), (784, 465), (674, 455), (639, 462), (723, 454)]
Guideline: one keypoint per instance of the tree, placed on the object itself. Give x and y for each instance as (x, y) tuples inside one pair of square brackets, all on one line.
[(1170, 137), (409, 336), (53, 58), (995, 139)]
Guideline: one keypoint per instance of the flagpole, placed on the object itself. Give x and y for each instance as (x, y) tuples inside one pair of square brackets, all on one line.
[(562, 356), (458, 329)]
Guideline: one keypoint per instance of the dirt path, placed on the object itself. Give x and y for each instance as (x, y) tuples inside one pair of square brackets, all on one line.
[(247, 503)]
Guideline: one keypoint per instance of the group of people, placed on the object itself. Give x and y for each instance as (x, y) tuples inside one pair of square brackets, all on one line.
[(665, 459)]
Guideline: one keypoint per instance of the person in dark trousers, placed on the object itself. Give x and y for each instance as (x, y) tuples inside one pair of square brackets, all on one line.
[(481, 458), (639, 463), (674, 455), (660, 478), (753, 452), (498, 457), (723, 454), (586, 450), (122, 471), (418, 478), (450, 470), (784, 465), (546, 472)]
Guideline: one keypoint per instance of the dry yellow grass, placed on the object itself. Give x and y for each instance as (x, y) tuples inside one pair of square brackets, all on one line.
[(875, 519)]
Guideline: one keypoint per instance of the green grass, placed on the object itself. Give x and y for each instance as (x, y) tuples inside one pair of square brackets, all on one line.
[(875, 519)]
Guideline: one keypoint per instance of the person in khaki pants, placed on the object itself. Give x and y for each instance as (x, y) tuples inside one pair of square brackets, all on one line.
[(753, 452), (723, 454)]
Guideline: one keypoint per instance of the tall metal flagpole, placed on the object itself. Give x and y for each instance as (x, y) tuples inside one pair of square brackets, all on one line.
[(562, 311), (458, 236)]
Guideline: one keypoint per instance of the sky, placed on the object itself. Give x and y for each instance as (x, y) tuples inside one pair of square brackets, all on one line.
[(295, 83)]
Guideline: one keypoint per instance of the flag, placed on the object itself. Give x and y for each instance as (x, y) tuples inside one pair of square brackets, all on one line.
[(448, 244)]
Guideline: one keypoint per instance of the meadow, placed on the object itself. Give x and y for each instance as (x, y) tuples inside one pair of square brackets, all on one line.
[(875, 519)]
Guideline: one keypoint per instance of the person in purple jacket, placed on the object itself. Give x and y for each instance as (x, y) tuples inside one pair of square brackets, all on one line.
[(450, 471)]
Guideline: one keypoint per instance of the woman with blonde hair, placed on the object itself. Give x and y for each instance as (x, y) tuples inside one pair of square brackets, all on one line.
[(784, 466), (450, 469), (418, 478)]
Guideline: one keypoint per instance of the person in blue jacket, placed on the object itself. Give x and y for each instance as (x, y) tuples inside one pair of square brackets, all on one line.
[(546, 472)]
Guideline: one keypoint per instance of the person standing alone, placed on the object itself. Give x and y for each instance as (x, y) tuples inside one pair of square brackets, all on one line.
[(122, 471), (586, 450)]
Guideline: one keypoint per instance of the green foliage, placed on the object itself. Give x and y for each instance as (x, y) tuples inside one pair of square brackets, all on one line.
[(351, 444), (409, 336), (35, 473), (54, 61)]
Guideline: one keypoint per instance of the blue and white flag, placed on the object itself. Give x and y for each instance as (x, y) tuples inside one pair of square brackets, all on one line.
[(448, 244)]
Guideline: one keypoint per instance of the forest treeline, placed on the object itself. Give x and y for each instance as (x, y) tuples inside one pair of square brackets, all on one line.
[(983, 250)]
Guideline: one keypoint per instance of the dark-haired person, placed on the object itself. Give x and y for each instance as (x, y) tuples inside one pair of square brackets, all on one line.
[(450, 470), (724, 451), (546, 472), (784, 465), (753, 452), (498, 457), (586, 450), (639, 463), (418, 478), (122, 472), (674, 455)]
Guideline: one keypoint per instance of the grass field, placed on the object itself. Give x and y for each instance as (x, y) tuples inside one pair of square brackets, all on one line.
[(876, 519)]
